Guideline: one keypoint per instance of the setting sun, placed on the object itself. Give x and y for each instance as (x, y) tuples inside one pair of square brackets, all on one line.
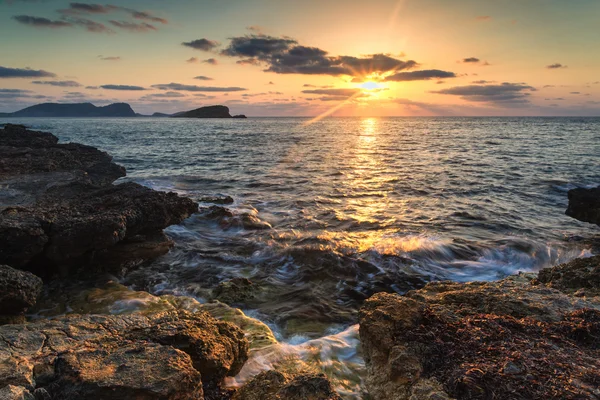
[(370, 85)]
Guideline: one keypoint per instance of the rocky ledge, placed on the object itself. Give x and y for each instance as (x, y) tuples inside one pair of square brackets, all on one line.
[(60, 211), (168, 355), (524, 337), (584, 205)]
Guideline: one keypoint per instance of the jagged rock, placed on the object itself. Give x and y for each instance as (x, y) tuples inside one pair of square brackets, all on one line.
[(235, 291), (167, 355), (60, 210), (274, 385), (584, 205), (19, 290), (510, 339), (227, 219), (217, 199), (580, 276)]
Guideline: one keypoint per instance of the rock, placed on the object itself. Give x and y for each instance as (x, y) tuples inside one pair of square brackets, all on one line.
[(273, 385), (167, 355), (10, 392), (580, 277), (240, 116), (50, 110), (511, 339), (19, 290), (235, 291), (227, 219), (584, 205), (61, 212)]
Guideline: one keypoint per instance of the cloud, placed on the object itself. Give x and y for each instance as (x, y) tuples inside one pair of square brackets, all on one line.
[(270, 83), (210, 61), (482, 82), (333, 92), (122, 87), (58, 83), (167, 95), (92, 87), (6, 72), (420, 75), (248, 61), (40, 22), (483, 18), (556, 66), (505, 94), (471, 60), (89, 25), (191, 60), (194, 88), (133, 26), (84, 8), (110, 58), (144, 15), (283, 55), (202, 44), (575, 92), (203, 78)]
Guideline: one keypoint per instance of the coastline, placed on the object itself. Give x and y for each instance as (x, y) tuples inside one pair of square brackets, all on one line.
[(122, 218)]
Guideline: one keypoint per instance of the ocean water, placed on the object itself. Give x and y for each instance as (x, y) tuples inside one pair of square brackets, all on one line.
[(326, 214)]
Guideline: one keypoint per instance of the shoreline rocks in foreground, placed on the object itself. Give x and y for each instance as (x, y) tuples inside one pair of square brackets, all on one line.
[(60, 211)]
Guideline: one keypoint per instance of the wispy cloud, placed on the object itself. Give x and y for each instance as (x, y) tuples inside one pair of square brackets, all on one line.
[(191, 60), (420, 75), (194, 88), (41, 22), (203, 78), (556, 66), (134, 26), (110, 58), (122, 87), (210, 61), (202, 44), (506, 94), (58, 83)]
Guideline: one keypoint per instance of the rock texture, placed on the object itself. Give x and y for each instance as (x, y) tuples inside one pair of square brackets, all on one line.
[(19, 291), (59, 209), (273, 385), (517, 338), (168, 355), (584, 205), (205, 112)]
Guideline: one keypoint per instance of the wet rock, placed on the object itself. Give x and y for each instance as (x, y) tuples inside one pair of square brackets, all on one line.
[(227, 219), (167, 355), (274, 385), (235, 291), (580, 277), (584, 205), (511, 339), (15, 393), (59, 210), (19, 291)]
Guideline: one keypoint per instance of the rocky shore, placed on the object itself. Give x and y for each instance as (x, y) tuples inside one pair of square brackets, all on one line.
[(528, 336), (64, 220)]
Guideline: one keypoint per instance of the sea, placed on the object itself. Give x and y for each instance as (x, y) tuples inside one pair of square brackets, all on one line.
[(327, 213)]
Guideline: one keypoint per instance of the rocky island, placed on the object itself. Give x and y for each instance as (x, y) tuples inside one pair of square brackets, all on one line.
[(207, 112), (82, 110)]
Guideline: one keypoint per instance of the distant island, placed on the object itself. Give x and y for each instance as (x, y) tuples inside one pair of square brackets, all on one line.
[(84, 110), (49, 110)]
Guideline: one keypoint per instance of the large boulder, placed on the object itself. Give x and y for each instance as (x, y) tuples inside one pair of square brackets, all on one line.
[(19, 291), (168, 355), (513, 339), (60, 210), (584, 205)]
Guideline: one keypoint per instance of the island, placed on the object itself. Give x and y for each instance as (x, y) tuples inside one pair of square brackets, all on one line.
[(51, 110), (207, 112)]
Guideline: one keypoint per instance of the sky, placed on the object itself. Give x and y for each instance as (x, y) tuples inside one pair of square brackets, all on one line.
[(306, 58)]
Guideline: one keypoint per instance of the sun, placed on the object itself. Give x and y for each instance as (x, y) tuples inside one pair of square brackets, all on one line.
[(371, 85)]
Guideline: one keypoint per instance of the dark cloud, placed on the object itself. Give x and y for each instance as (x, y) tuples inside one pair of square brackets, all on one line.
[(482, 82), (84, 8), (556, 66), (59, 83), (110, 58), (194, 88), (24, 73), (144, 15), (40, 22), (92, 87), (420, 75), (191, 60), (203, 78), (283, 55), (133, 26), (89, 25), (575, 92), (248, 61), (210, 61), (471, 60), (505, 94), (122, 87), (202, 44)]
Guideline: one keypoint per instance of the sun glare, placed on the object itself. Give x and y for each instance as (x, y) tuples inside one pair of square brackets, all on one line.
[(370, 85)]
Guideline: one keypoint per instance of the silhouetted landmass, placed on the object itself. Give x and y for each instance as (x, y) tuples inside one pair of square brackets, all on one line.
[(48, 110), (161, 115), (207, 112)]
